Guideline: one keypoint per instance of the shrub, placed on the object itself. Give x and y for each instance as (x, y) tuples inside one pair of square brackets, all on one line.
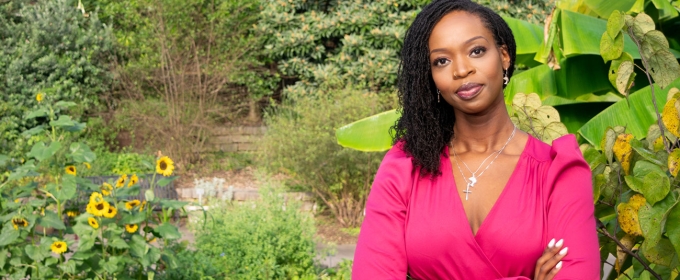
[(266, 239), (53, 48), (300, 142)]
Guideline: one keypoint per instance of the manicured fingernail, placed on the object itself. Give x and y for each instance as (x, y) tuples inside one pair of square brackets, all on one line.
[(564, 251), (552, 243), (559, 243), (558, 265)]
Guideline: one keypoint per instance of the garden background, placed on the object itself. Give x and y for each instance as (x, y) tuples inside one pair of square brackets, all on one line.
[(142, 91)]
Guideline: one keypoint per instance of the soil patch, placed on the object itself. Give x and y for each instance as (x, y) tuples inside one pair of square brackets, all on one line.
[(329, 230)]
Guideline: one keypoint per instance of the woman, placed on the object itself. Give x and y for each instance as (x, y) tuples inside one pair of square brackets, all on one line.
[(464, 194)]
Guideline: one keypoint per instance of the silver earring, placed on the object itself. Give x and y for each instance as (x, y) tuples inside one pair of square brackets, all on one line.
[(505, 77), (439, 93)]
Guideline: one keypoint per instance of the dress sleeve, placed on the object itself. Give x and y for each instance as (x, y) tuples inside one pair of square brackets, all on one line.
[(380, 251), (571, 210)]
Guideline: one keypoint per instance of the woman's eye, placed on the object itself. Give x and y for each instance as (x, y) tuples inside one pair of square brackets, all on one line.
[(440, 61), (478, 51)]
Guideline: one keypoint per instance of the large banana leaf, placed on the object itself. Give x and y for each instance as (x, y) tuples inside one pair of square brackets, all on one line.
[(665, 9), (370, 134), (637, 118), (580, 34), (604, 8), (529, 38), (578, 76)]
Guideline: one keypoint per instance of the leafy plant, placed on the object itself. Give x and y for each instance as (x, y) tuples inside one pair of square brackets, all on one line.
[(41, 211), (635, 181), (300, 142), (266, 239)]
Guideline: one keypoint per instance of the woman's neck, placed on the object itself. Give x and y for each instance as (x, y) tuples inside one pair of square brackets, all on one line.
[(482, 133)]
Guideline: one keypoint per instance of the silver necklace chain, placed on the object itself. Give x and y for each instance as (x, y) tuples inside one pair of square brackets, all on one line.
[(473, 179)]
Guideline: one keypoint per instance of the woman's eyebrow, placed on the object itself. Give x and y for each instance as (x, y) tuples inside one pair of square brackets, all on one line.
[(467, 41)]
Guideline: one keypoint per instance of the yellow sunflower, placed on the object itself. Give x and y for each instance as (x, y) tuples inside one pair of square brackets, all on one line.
[(98, 208), (107, 189), (152, 240), (133, 180), (39, 97), (59, 247), (112, 212), (121, 181), (87, 164), (131, 204), (141, 208), (19, 222), (71, 170), (165, 166), (72, 213), (93, 222), (96, 197), (131, 228)]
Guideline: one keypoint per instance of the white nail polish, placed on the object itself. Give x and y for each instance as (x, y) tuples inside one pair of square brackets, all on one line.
[(559, 243), (552, 243), (564, 251), (559, 265)]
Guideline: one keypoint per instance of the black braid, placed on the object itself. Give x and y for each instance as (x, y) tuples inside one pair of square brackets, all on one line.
[(426, 126)]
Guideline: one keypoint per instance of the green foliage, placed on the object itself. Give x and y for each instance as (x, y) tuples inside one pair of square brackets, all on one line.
[(300, 142), (267, 239), (42, 210), (534, 11), (49, 47)]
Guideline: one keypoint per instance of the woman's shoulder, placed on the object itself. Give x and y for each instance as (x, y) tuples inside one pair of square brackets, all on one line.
[(398, 157), (564, 147)]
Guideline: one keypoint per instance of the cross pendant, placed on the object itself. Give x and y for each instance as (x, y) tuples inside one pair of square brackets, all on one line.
[(467, 191)]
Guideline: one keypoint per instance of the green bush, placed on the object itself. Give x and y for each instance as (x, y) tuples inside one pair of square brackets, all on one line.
[(300, 142), (48, 47), (267, 239)]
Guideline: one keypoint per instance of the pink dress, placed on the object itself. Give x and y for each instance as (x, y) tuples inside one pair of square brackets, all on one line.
[(418, 225)]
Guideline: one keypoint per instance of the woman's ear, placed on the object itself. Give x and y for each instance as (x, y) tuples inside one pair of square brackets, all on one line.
[(505, 56)]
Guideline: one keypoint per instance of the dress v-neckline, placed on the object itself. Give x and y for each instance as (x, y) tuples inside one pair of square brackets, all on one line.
[(461, 209)]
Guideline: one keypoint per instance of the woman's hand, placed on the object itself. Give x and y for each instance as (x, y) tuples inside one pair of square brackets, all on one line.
[(550, 262)]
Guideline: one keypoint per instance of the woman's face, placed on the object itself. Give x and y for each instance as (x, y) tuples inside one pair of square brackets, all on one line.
[(467, 66)]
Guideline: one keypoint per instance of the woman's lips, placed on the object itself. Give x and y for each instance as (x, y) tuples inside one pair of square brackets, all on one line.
[(469, 91)]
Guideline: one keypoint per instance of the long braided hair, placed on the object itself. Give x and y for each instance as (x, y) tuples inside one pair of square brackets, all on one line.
[(426, 126)]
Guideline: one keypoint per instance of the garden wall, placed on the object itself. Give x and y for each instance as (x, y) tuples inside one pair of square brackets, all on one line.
[(235, 139)]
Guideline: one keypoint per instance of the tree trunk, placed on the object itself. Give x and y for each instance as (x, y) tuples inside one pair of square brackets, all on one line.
[(253, 111)]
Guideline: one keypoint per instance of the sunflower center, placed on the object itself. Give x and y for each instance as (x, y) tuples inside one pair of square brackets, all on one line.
[(163, 165), (58, 246), (100, 206)]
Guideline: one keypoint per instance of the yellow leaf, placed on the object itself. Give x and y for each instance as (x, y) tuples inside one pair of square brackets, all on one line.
[(628, 214), (670, 116), (658, 144), (628, 241), (623, 151), (673, 160)]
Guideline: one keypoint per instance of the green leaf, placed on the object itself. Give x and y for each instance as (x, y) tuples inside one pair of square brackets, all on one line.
[(118, 243), (36, 253), (611, 48), (168, 231), (138, 246), (636, 118), (641, 24), (166, 180), (64, 104), (531, 34), (652, 218), (149, 195), (63, 121), (110, 265), (134, 218), (153, 256), (82, 153), (655, 183), (615, 22), (662, 253), (51, 220), (41, 152), (608, 8), (664, 68), (3, 257), (68, 189), (33, 131), (42, 112), (3, 161), (8, 235), (645, 153), (83, 255), (86, 242), (673, 227), (69, 266), (369, 134), (622, 73), (666, 9)]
